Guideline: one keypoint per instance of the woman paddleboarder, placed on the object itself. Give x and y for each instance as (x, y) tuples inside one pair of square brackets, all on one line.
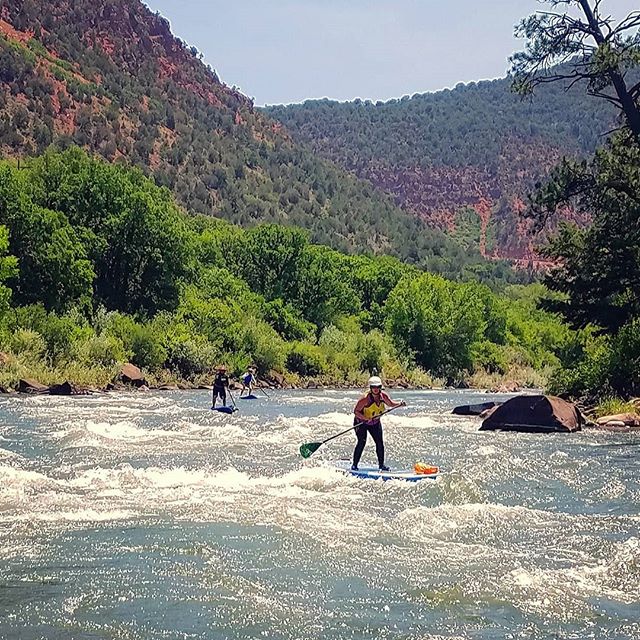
[(367, 418)]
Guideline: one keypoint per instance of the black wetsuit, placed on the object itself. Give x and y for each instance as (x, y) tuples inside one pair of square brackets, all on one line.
[(220, 385), (375, 431)]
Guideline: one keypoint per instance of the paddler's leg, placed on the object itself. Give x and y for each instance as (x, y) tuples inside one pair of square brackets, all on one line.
[(376, 434), (361, 434)]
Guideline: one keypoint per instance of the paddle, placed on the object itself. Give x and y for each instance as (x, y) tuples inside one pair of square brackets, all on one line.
[(235, 406), (309, 448), (263, 391)]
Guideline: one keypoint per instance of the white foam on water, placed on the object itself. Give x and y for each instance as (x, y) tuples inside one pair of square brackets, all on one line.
[(125, 433), (14, 479), (486, 450), (410, 422), (229, 433), (127, 477), (474, 521), (122, 431), (568, 592), (5, 453), (338, 418), (85, 516), (325, 398)]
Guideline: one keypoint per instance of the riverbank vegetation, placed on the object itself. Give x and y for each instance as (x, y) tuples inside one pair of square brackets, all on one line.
[(596, 280), (101, 266)]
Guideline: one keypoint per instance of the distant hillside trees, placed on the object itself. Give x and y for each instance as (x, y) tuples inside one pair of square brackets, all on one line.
[(115, 81)]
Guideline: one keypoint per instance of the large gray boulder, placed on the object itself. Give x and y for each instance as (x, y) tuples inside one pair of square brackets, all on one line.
[(537, 414)]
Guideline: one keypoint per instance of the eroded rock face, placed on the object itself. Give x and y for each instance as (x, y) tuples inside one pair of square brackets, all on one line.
[(537, 414)]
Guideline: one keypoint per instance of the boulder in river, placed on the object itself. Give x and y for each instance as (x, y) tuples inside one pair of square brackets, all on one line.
[(130, 374), (505, 387), (275, 379), (473, 409), (536, 414), (27, 385), (68, 389), (626, 419)]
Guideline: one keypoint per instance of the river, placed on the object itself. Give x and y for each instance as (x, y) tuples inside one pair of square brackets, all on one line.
[(147, 516)]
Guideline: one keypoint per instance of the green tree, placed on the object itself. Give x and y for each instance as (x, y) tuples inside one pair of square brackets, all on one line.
[(436, 321), (325, 291), (592, 48), (8, 269), (53, 264), (273, 259), (598, 267)]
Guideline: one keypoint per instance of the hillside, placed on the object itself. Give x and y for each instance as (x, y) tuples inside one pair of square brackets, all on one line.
[(110, 77), (462, 159)]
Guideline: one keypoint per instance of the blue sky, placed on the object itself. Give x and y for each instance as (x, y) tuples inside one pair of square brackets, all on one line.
[(281, 51)]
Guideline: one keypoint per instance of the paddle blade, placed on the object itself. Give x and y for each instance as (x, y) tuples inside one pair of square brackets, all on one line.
[(309, 448)]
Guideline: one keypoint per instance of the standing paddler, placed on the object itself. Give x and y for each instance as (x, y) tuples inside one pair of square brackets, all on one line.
[(248, 380), (220, 386), (367, 417)]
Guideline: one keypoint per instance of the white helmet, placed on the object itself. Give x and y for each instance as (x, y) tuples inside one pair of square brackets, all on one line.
[(375, 381)]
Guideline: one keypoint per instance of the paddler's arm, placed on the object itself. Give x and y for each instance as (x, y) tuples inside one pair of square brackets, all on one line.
[(358, 410), (391, 403)]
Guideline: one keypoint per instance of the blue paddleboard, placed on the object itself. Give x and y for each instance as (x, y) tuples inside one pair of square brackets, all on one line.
[(373, 473), (224, 409), (249, 397)]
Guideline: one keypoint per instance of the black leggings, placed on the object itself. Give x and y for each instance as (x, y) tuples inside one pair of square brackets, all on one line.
[(376, 433), (219, 391)]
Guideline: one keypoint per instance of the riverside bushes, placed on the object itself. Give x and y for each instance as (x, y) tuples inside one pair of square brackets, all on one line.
[(108, 268)]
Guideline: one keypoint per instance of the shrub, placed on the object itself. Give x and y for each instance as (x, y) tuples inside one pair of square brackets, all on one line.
[(103, 350), (147, 347), (192, 356), (372, 351), (28, 344), (144, 344), (306, 359), (61, 334), (490, 357), (266, 347), (624, 363), (287, 321), (614, 406)]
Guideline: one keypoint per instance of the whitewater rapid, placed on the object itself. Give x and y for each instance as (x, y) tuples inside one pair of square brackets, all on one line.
[(172, 521)]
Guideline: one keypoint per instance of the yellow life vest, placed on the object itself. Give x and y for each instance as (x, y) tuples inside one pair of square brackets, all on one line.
[(373, 409)]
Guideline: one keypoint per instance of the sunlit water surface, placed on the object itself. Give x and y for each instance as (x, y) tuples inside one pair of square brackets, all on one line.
[(148, 516)]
